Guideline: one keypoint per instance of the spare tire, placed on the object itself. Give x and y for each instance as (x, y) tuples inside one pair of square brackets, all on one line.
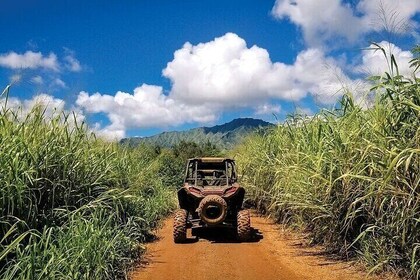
[(212, 209)]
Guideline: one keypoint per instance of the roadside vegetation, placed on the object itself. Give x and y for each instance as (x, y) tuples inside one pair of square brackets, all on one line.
[(348, 176), (73, 206)]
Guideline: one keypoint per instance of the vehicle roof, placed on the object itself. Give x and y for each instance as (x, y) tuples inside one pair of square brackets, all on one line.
[(210, 159)]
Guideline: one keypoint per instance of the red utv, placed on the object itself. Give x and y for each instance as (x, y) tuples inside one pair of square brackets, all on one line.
[(211, 197)]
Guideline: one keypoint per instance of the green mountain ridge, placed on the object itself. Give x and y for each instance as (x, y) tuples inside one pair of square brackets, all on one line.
[(223, 136)]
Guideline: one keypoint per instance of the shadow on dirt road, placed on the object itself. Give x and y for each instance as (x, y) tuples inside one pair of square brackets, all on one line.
[(222, 235)]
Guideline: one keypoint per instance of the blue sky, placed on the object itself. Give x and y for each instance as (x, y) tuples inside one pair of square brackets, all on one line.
[(140, 67)]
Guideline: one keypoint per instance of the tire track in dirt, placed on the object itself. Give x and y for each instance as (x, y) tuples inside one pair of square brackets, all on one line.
[(271, 255)]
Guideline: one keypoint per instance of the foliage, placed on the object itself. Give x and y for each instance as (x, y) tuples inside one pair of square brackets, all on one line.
[(350, 176), (72, 206)]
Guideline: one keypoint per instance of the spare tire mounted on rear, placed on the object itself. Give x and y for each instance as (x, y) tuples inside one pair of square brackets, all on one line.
[(212, 209)]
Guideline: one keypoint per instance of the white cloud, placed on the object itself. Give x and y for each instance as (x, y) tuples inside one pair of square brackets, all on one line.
[(57, 82), (267, 109), (72, 64), (29, 60), (147, 106), (320, 19), (46, 71), (391, 15), (228, 73), (225, 69), (37, 80), (110, 133), (324, 20), (202, 69)]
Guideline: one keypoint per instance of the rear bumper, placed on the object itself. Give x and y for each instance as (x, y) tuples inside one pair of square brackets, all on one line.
[(197, 224)]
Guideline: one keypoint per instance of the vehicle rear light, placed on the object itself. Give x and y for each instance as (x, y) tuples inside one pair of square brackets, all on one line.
[(230, 190), (194, 190)]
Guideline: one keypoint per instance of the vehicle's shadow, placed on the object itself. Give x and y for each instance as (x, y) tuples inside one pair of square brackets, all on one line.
[(223, 235)]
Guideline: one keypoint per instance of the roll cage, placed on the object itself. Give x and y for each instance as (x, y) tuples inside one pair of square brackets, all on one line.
[(210, 172)]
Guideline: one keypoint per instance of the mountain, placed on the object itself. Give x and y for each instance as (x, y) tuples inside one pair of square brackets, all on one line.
[(223, 136)]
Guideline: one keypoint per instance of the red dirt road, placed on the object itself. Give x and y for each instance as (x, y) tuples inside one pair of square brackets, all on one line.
[(271, 255)]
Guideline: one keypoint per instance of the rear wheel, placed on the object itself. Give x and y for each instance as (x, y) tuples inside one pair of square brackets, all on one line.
[(180, 225), (244, 225)]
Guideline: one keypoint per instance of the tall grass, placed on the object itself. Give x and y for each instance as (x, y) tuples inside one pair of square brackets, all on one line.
[(349, 176), (72, 206)]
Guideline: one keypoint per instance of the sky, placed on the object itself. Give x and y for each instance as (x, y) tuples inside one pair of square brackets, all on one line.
[(137, 68)]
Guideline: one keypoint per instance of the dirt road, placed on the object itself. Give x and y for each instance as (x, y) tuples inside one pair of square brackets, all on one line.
[(271, 255)]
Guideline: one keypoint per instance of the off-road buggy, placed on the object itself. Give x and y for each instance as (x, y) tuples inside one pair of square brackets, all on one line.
[(211, 197)]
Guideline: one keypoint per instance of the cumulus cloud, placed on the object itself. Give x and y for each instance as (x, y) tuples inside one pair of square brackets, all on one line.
[(147, 106), (110, 133), (226, 71), (29, 60), (323, 20), (222, 69)]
